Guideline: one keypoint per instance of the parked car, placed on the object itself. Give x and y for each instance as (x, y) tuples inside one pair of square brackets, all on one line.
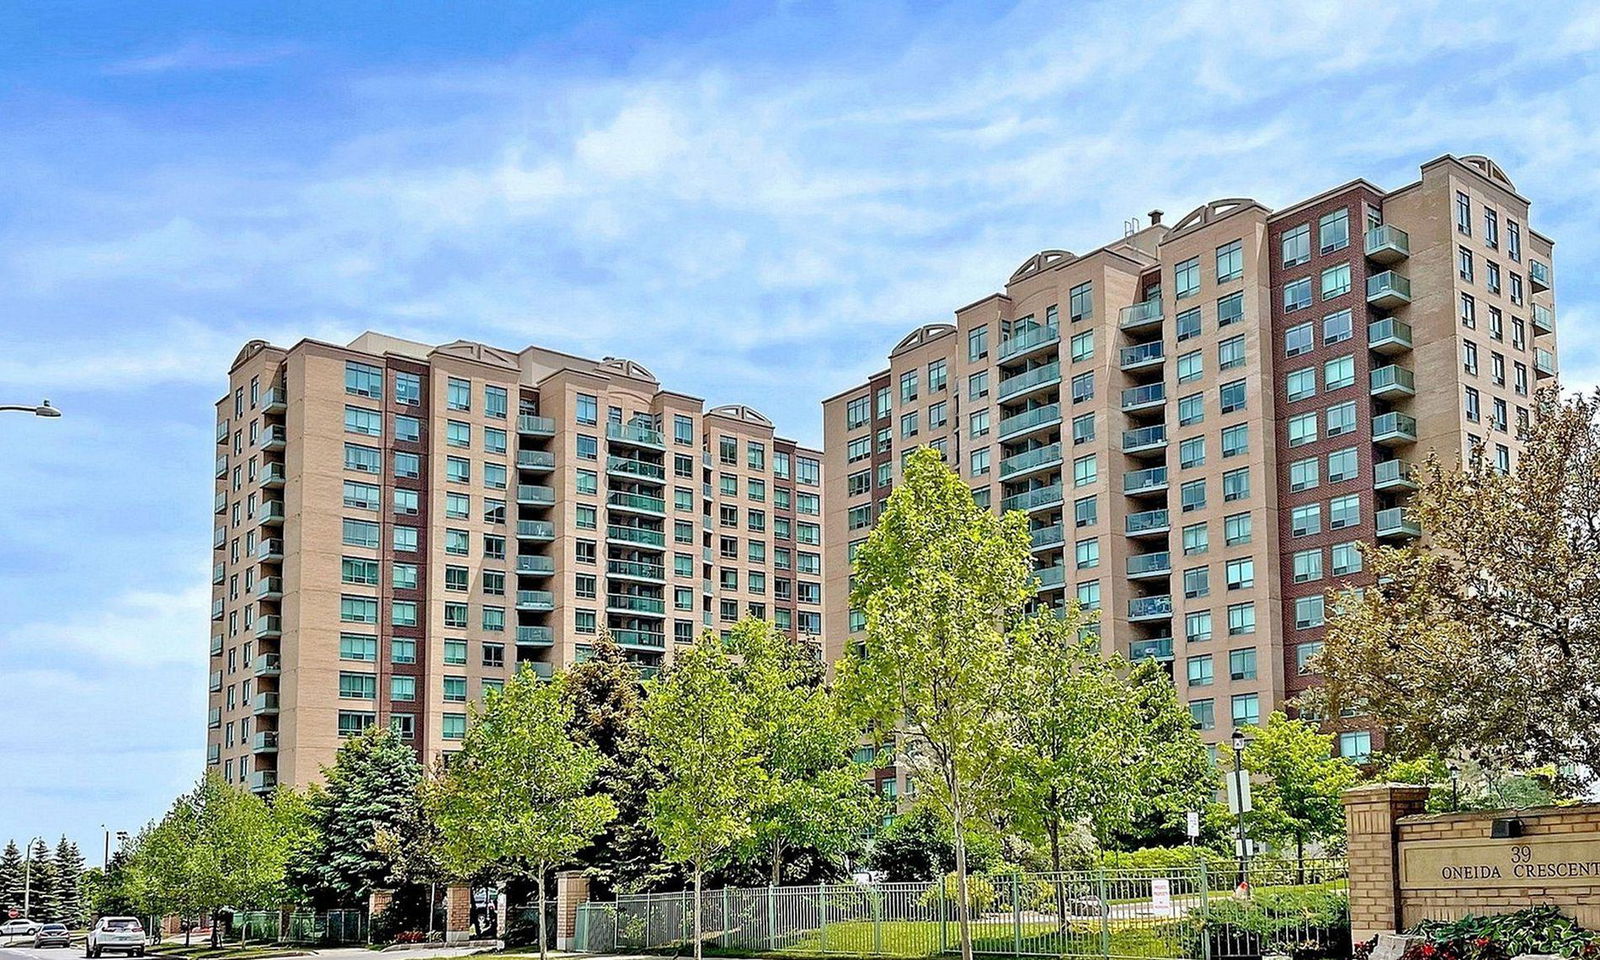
[(117, 934), (52, 935), (19, 928)]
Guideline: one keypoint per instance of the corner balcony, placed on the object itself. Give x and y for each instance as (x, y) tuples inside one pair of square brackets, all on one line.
[(1148, 566), (1029, 420), (222, 431), (263, 781), (1544, 321), (269, 550), (1394, 524), (1544, 363), (1136, 483), (1143, 356), (539, 601), (220, 503), (1392, 382), (268, 665), (1394, 429), (535, 566), (530, 425), (219, 573), (266, 704), (275, 400), (1538, 276), (1145, 439), (1039, 378), (1148, 523), (273, 475), (636, 503), (1387, 245), (1144, 398), (274, 437), (534, 495), (635, 604), (1036, 499), (268, 626), (537, 530), (269, 588), (640, 639), (1140, 316), (1155, 648), (1024, 342), (1392, 475), (1389, 337), (222, 466), (539, 461), (1044, 538), (636, 570), (216, 609), (217, 641), (635, 435), (219, 538), (1388, 290), (265, 741), (271, 513), (621, 533), (1144, 609), (214, 718), (632, 467), (1026, 462), (1051, 578), (535, 636)]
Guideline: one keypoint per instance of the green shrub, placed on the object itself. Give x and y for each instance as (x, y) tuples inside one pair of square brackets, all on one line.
[(1306, 924), (1542, 929), (980, 895)]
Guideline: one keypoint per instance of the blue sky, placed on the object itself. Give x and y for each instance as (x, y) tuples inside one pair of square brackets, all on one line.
[(753, 199)]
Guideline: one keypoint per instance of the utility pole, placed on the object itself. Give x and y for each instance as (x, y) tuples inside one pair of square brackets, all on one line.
[(27, 879)]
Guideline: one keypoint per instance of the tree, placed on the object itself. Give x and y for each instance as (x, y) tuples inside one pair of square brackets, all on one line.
[(1297, 797), (68, 875), (696, 732), (1482, 646), (11, 879), (607, 699), (39, 877), (371, 787), (942, 582), (518, 795), (816, 797), (917, 845), (1176, 773)]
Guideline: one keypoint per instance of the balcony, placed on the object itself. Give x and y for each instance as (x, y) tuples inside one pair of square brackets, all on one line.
[(621, 533), (1394, 429), (1038, 378), (216, 681), (270, 550), (263, 781), (1029, 420), (216, 644), (636, 570), (534, 495), (535, 636), (1139, 482), (1024, 342), (640, 639), (220, 503), (274, 400), (1392, 475), (1147, 523), (1388, 290), (1150, 608), (271, 513), (533, 566), (269, 588), (1393, 382), (540, 668), (214, 718), (1145, 439), (1394, 524), (219, 573), (540, 601), (1145, 566), (1140, 315), (1544, 363), (1387, 244), (265, 741), (213, 753), (274, 437), (1143, 355), (1538, 276), (1046, 537), (268, 665), (1051, 578), (266, 703), (538, 460), (1155, 648), (1544, 321), (1389, 337), (635, 434), (530, 425), (219, 538), (1019, 464), (272, 475), (222, 466), (222, 431), (1035, 499), (1143, 398), (542, 530), (633, 603), (636, 503), (631, 467), (216, 609), (268, 626)]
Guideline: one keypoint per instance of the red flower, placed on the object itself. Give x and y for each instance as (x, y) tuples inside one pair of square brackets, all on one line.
[(1428, 950), (1481, 942)]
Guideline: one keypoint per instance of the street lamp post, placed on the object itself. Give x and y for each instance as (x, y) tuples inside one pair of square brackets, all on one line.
[(1455, 785), (1239, 742), (27, 878), (43, 409)]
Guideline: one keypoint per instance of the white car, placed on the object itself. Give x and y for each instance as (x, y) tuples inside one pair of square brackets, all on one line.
[(117, 934), (19, 928)]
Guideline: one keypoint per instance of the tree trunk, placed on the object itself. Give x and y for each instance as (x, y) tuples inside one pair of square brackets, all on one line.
[(1299, 859), (697, 955), (963, 905), (1054, 828), (216, 929), (542, 937), (777, 862)]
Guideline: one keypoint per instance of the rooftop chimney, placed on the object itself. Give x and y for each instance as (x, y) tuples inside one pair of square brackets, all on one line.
[(1155, 218)]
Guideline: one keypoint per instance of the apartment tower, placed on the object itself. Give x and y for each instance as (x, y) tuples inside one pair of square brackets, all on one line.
[(401, 526), (1203, 420)]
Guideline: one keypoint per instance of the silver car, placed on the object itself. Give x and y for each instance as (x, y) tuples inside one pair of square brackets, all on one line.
[(117, 934), (52, 935)]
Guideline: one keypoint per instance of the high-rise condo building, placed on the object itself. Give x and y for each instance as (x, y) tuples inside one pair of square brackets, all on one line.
[(401, 526), (1203, 420)]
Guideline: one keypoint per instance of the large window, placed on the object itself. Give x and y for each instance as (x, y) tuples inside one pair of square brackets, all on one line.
[(362, 379)]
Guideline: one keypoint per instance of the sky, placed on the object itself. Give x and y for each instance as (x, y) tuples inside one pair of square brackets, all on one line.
[(755, 200)]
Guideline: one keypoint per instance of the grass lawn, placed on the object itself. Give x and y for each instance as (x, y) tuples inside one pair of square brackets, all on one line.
[(201, 949), (1136, 939)]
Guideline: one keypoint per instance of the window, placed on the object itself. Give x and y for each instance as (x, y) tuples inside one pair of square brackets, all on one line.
[(454, 726), (1230, 309), (1469, 357), (1464, 263), (1337, 328), (1192, 452), (1204, 713), (363, 421), (908, 386), (1241, 619), (360, 533), (858, 412), (978, 343), (357, 570), (1305, 520), (908, 424), (1231, 396), (1333, 231), (494, 440), (1342, 465), (1339, 372), (1230, 261), (588, 447), (1236, 529), (1242, 664), (1084, 471), (1297, 245), (1336, 281), (1080, 302), (1307, 566), (1298, 339), (1297, 294), (357, 686), (1190, 367), (403, 613), (1344, 512), (402, 650), (1196, 539), (938, 415), (682, 430), (457, 506), (937, 376), (402, 688), (494, 475), (1191, 409), (1186, 278), (1241, 574), (1235, 440), (363, 459), (1230, 353), (587, 410), (1083, 387), (455, 615), (362, 496), (1086, 553), (354, 646), (1082, 346), (1309, 612), (1463, 214), (456, 542), (1085, 512), (1346, 558), (352, 722), (1469, 311), (1189, 324), (1355, 746), (1491, 276), (494, 402), (458, 434), (458, 394), (1300, 384), (1246, 709), (1197, 626), (1082, 429), (978, 385), (1342, 419), (1200, 671), (406, 502), (362, 380), (980, 462), (408, 389), (407, 429), (1193, 495)]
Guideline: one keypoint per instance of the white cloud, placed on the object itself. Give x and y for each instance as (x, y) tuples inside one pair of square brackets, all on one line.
[(204, 56)]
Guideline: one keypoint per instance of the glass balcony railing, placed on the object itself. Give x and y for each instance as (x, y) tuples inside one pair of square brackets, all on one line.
[(274, 437), (1033, 499), (270, 549), (627, 534), (628, 466), (1394, 427), (1394, 522), (1388, 290), (266, 703), (536, 600), (1147, 521), (1150, 608), (1538, 275), (1155, 648), (535, 460), (648, 639), (1544, 321), (1149, 395), (273, 475), (262, 781), (1544, 363), (1392, 380), (1030, 459), (1391, 474), (217, 641), (1149, 564), (1144, 438), (1387, 244), (1139, 315), (634, 433), (535, 494), (268, 625), (265, 741), (1051, 536), (1389, 336), (534, 635), (536, 426), (1143, 354), (1031, 338), (222, 465), (274, 400), (1037, 377), (271, 511), (535, 530), (216, 609), (620, 500), (220, 503), (1141, 481), (268, 665), (1051, 578), (635, 603), (269, 588), (1030, 419), (536, 566), (222, 431), (637, 569)]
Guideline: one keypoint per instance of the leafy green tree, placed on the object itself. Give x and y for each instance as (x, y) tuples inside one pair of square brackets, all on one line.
[(942, 582), (817, 798), (11, 878), (518, 795), (916, 845), (68, 874), (607, 699), (371, 787), (1173, 763), (696, 731), (1298, 782)]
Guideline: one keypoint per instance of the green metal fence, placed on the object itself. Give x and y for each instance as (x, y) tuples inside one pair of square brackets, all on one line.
[(1189, 912), (329, 927)]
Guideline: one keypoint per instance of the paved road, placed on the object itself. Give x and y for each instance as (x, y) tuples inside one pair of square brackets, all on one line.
[(20, 952)]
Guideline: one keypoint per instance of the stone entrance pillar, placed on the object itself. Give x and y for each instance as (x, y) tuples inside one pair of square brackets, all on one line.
[(572, 889), (1370, 814), (457, 913)]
